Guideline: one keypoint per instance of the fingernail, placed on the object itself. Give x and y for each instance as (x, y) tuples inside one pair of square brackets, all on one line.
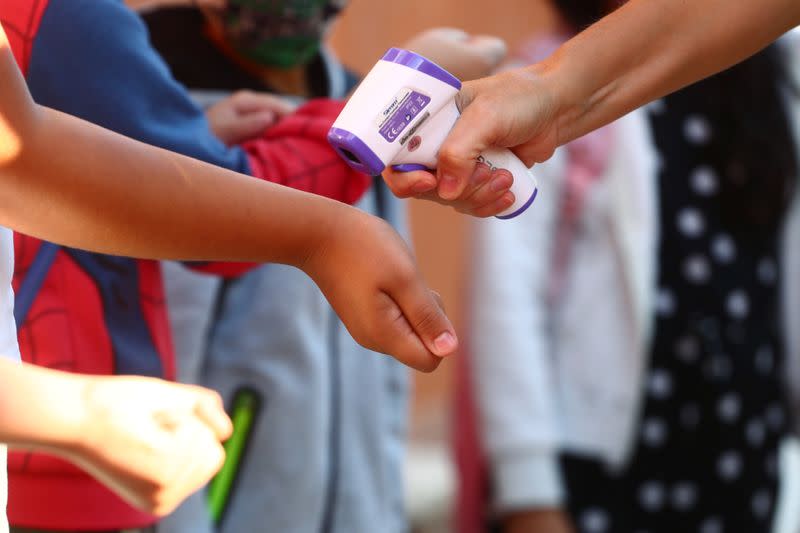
[(448, 187), (445, 343), (501, 182), (423, 187)]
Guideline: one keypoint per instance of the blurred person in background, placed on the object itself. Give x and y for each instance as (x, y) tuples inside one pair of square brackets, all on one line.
[(324, 420), (634, 347)]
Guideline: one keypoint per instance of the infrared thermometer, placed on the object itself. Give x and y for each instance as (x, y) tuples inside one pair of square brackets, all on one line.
[(401, 114)]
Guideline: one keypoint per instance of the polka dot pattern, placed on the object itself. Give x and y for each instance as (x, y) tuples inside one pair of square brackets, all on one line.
[(729, 465), (723, 249), (651, 496), (738, 304), (691, 222), (684, 496), (705, 453), (654, 432), (697, 269), (704, 181), (697, 129)]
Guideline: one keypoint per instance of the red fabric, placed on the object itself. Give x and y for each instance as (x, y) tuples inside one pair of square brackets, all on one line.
[(20, 19), (470, 458), (76, 499), (295, 153), (65, 330)]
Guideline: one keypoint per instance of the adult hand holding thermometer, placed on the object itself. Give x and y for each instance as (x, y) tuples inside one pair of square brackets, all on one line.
[(400, 115)]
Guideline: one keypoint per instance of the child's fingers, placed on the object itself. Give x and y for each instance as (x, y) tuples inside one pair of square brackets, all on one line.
[(426, 317), (402, 342), (200, 457), (248, 126), (209, 409), (250, 102)]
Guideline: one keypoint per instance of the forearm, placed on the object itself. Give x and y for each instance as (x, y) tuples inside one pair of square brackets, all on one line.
[(40, 408), (86, 187), (649, 48)]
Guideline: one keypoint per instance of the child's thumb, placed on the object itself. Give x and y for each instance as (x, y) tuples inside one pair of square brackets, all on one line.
[(425, 314)]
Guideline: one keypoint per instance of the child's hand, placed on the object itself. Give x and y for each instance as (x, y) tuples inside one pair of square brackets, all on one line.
[(465, 56), (370, 278), (152, 442), (245, 115)]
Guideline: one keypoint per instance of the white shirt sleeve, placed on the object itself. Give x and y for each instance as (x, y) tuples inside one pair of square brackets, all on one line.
[(511, 362)]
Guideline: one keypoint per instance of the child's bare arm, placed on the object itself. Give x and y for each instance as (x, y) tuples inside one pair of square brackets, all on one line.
[(151, 441), (65, 180)]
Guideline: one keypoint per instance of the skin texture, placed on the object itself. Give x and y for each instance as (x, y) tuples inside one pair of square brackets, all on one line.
[(67, 181), (103, 192), (151, 441), (245, 114), (642, 51)]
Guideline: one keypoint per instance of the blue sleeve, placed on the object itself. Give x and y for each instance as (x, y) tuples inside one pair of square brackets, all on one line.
[(93, 59)]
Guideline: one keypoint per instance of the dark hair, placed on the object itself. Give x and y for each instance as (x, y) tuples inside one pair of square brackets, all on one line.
[(754, 133), (755, 137)]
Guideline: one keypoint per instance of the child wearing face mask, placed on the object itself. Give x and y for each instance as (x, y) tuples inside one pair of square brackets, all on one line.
[(338, 467), (102, 314)]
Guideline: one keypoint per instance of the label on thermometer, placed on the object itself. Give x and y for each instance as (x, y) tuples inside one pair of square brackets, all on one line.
[(400, 112)]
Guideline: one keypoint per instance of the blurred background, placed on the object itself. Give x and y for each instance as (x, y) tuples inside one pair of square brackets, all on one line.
[(441, 238)]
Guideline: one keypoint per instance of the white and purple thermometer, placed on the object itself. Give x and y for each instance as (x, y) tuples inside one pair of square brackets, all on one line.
[(401, 114)]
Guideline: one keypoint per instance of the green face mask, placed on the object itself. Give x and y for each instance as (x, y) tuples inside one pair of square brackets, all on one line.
[(280, 33)]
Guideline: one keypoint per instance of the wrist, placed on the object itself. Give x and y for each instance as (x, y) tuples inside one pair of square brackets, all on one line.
[(56, 408), (71, 421), (326, 225), (571, 92)]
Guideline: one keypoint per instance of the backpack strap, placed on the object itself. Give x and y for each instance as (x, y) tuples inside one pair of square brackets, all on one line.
[(33, 281)]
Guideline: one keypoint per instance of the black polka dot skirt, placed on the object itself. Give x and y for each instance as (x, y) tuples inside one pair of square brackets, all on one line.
[(713, 415)]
